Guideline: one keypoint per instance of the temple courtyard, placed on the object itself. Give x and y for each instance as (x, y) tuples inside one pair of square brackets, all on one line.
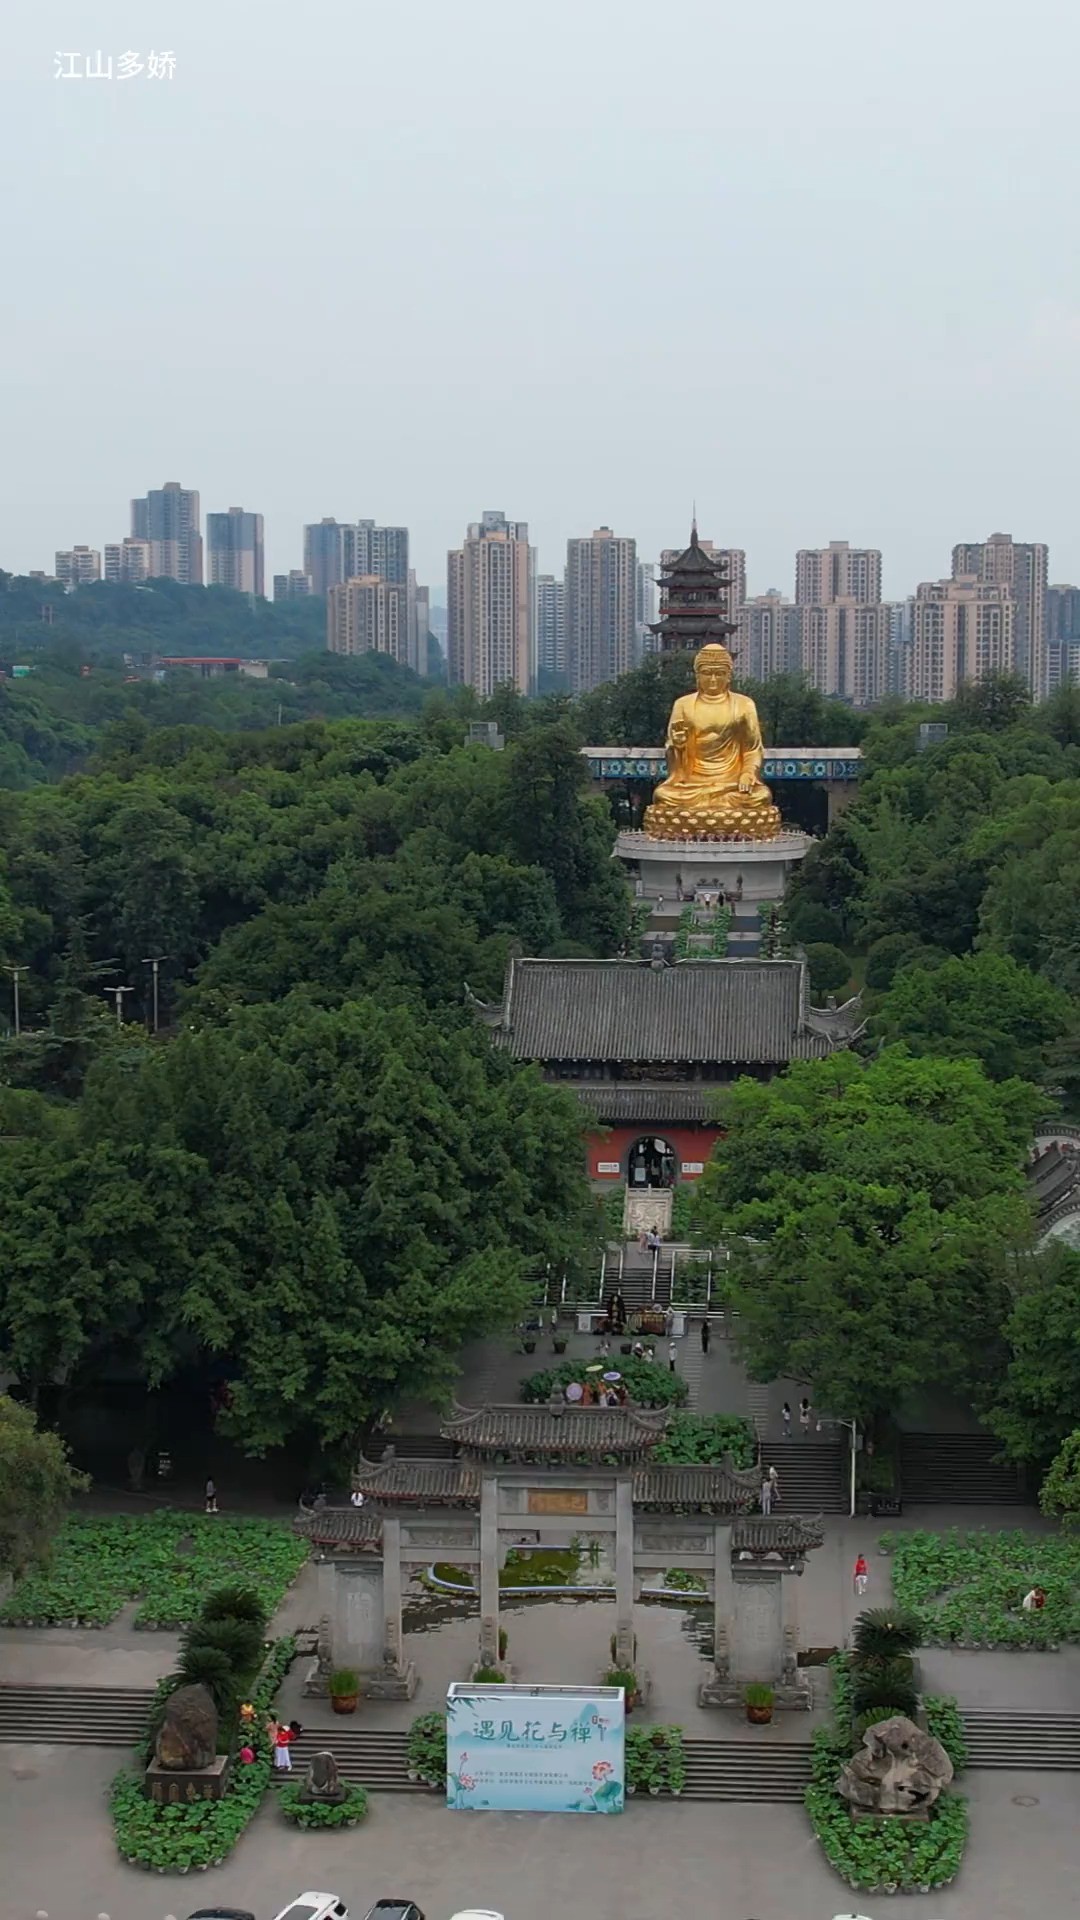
[(745, 1862)]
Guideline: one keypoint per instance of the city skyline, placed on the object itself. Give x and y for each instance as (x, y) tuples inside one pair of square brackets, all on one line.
[(506, 329)]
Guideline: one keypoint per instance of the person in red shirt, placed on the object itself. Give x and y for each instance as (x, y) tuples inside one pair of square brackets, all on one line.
[(282, 1738), (862, 1575)]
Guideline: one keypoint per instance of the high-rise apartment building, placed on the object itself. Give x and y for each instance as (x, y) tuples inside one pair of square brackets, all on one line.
[(293, 585), (551, 670), (767, 642), (128, 560), (421, 617), (75, 566), (1023, 566), (1062, 637), (601, 607), (843, 649), (490, 595), (961, 629), (323, 558), (367, 549), (837, 572), (168, 517), (234, 550), (646, 609), (367, 615)]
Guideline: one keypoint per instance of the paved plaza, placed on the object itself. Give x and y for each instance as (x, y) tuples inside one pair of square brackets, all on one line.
[(722, 1862)]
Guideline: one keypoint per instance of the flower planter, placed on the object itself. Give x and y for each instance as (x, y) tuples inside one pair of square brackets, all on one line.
[(344, 1702), (759, 1716), (559, 1343)]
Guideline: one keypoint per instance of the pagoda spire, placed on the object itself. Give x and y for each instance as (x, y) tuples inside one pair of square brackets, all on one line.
[(695, 604)]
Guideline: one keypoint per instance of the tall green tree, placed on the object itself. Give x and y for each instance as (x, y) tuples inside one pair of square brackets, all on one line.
[(982, 1006), (36, 1484), (1037, 1403), (883, 1202)]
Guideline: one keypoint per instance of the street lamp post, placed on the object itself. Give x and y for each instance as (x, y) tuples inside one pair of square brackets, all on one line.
[(15, 972), (155, 964), (852, 1427), (118, 996)]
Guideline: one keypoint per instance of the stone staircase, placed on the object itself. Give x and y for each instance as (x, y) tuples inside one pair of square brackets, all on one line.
[(814, 1474), (746, 1769), (74, 1716), (1036, 1742), (958, 1469), (743, 1769)]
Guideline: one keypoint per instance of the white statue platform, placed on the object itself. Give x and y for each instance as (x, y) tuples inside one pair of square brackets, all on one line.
[(665, 866)]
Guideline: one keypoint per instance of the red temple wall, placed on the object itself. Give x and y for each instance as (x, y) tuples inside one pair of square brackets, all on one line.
[(607, 1153)]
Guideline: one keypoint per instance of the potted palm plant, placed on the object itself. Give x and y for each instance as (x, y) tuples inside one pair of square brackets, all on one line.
[(759, 1704), (343, 1687)]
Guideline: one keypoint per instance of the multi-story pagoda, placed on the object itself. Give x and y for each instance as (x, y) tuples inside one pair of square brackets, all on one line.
[(696, 601)]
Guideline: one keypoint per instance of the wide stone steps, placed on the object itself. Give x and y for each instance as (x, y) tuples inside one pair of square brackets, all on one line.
[(374, 1758), (74, 1716), (958, 1469), (1036, 1742), (814, 1474), (745, 1770)]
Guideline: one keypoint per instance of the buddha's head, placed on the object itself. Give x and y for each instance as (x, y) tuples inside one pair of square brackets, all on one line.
[(712, 670)]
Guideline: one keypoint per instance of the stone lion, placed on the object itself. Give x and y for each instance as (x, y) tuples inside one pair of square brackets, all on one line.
[(898, 1769)]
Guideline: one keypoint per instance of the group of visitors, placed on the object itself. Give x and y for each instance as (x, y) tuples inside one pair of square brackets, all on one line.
[(649, 1240), (770, 1490), (596, 1393), (1034, 1601), (281, 1737), (804, 1417)]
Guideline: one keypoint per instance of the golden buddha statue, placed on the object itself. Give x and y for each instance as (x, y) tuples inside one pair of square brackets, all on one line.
[(714, 756)]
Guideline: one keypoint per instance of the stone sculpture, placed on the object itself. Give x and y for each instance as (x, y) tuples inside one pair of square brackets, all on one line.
[(323, 1781), (714, 753), (898, 1769), (187, 1737)]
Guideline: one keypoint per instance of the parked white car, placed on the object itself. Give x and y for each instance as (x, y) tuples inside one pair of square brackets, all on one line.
[(315, 1906)]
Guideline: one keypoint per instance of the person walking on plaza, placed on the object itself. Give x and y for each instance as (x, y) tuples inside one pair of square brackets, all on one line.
[(211, 1497), (705, 1334), (862, 1575), (671, 1353), (766, 1495), (774, 1482), (785, 1415), (804, 1415)]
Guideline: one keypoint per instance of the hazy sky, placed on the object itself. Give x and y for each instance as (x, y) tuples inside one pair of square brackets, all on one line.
[(812, 262)]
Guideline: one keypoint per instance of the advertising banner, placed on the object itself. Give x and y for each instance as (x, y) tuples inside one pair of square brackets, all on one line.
[(535, 1749)]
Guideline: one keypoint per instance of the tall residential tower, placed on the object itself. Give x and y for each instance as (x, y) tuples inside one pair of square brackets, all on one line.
[(168, 518), (490, 591), (601, 607), (234, 550)]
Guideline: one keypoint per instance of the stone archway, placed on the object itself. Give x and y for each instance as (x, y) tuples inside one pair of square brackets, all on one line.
[(652, 1164)]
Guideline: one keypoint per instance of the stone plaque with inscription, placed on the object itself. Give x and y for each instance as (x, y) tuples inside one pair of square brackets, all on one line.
[(558, 1500)]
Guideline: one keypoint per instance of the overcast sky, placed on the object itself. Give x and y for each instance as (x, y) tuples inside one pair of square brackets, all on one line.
[(811, 262)]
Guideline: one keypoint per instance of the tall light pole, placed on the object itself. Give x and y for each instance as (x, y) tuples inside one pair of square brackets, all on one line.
[(15, 972), (852, 1427), (155, 963), (118, 995)]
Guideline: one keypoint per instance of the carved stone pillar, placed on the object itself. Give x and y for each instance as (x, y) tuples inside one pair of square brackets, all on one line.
[(624, 1572), (489, 1571)]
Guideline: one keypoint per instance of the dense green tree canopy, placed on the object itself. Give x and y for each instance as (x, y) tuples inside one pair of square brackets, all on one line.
[(324, 1202), (1038, 1402), (883, 1199), (36, 1483), (984, 1007)]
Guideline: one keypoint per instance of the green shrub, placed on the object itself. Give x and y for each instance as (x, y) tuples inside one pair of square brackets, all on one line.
[(235, 1603), (829, 969), (209, 1667), (240, 1641), (621, 1677), (944, 1722), (176, 1839), (655, 1760), (883, 1683), (488, 1676), (968, 1587), (323, 1813), (884, 1632), (647, 1381), (343, 1683), (702, 1438), (167, 1560), (425, 1749), (757, 1694), (885, 956), (682, 1581), (881, 1855)]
